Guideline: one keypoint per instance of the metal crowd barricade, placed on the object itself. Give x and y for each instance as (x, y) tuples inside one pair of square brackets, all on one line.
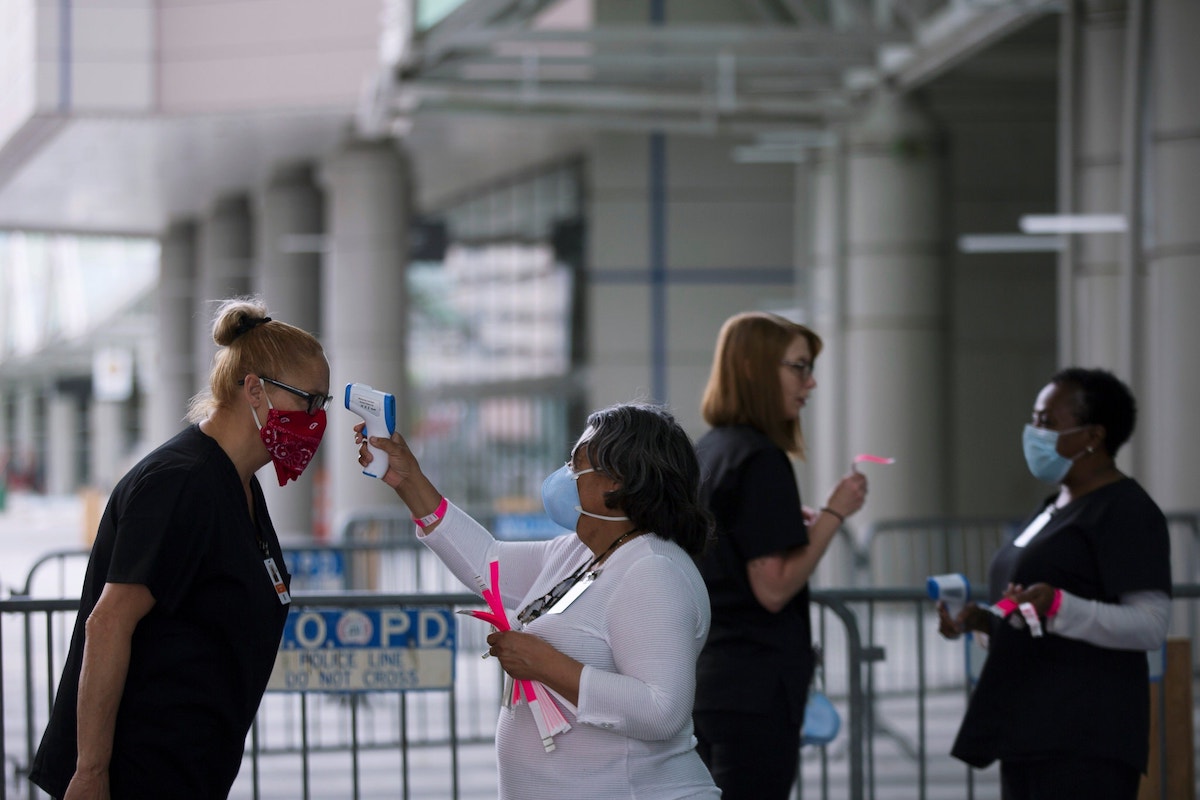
[(358, 744), (901, 688), (903, 552), (843, 675), (915, 698), (382, 744), (900, 713), (301, 745)]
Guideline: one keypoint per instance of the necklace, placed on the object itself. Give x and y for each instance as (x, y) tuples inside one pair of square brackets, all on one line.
[(547, 601)]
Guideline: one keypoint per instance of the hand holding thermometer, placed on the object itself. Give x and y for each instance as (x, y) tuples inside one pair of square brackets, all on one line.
[(378, 411), (953, 589)]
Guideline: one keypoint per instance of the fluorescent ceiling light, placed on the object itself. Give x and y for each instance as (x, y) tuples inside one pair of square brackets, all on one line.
[(761, 154), (1073, 223), (1008, 243)]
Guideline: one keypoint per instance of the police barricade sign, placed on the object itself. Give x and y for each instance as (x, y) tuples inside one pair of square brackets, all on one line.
[(316, 569), (365, 650)]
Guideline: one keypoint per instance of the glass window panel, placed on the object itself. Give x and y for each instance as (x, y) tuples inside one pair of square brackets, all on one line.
[(490, 349)]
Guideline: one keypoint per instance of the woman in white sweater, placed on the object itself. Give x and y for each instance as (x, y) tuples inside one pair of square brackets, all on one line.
[(610, 620)]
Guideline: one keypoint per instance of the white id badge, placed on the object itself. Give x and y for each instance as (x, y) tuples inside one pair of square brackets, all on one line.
[(277, 579), (572, 593)]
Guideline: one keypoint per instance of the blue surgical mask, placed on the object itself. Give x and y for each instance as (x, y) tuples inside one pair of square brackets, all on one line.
[(1042, 456), (560, 496)]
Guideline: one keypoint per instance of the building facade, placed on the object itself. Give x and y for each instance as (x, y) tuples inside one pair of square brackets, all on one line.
[(510, 213)]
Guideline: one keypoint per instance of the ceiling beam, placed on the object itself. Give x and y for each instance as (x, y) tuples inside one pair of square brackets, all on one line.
[(959, 33), (694, 63), (678, 36), (620, 99)]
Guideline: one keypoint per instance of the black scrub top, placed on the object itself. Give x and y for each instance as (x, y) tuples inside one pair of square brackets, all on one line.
[(754, 660), (178, 523), (1038, 697)]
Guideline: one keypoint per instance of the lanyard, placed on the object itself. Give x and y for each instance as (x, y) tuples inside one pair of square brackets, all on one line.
[(544, 603)]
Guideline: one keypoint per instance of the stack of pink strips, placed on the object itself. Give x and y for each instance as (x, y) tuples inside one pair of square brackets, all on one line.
[(546, 713)]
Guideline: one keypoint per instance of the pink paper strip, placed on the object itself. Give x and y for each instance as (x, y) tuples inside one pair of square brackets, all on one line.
[(546, 713), (873, 459)]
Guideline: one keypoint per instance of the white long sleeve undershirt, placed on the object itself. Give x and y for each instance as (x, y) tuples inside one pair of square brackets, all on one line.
[(1138, 622)]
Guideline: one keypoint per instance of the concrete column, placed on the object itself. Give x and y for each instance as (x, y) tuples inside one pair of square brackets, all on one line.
[(895, 354), (365, 303), (175, 376), (225, 263), (28, 458), (824, 181), (1169, 431), (145, 361), (62, 433), (106, 443), (1095, 260), (291, 221), (6, 448)]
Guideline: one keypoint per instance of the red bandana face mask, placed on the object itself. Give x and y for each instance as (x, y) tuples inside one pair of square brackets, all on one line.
[(291, 438)]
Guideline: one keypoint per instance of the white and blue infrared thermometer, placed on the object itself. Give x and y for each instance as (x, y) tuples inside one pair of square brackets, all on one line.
[(378, 410), (952, 589)]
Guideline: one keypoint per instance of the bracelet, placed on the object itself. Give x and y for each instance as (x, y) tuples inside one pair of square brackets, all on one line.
[(1055, 603), (830, 511), (436, 516), (1003, 607)]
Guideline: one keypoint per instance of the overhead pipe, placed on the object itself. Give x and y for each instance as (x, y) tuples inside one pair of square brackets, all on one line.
[(583, 98)]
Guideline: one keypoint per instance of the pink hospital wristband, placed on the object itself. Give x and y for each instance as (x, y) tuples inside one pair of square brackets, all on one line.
[(1055, 603), (429, 519), (1003, 608)]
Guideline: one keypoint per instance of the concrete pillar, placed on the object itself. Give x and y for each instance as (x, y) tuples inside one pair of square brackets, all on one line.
[(175, 376), (225, 263), (1169, 431), (106, 443), (824, 181), (28, 460), (1096, 165), (895, 351), (146, 361), (365, 303), (62, 434), (6, 448), (291, 221)]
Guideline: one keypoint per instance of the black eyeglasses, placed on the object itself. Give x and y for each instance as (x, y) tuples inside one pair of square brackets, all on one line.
[(316, 402), (803, 369)]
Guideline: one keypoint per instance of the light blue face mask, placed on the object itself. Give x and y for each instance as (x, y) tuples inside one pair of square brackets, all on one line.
[(560, 496), (1042, 456)]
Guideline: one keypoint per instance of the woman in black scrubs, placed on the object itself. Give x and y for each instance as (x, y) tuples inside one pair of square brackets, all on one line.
[(1084, 591), (186, 592)]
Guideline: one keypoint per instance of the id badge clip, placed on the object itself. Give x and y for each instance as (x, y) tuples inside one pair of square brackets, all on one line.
[(572, 593)]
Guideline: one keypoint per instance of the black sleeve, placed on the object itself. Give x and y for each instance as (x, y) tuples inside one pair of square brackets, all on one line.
[(1133, 547), (768, 518)]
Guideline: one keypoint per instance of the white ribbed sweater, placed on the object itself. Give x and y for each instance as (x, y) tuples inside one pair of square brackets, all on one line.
[(637, 630)]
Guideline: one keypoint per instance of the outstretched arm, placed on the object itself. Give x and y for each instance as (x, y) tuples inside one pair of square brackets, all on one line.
[(403, 473)]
